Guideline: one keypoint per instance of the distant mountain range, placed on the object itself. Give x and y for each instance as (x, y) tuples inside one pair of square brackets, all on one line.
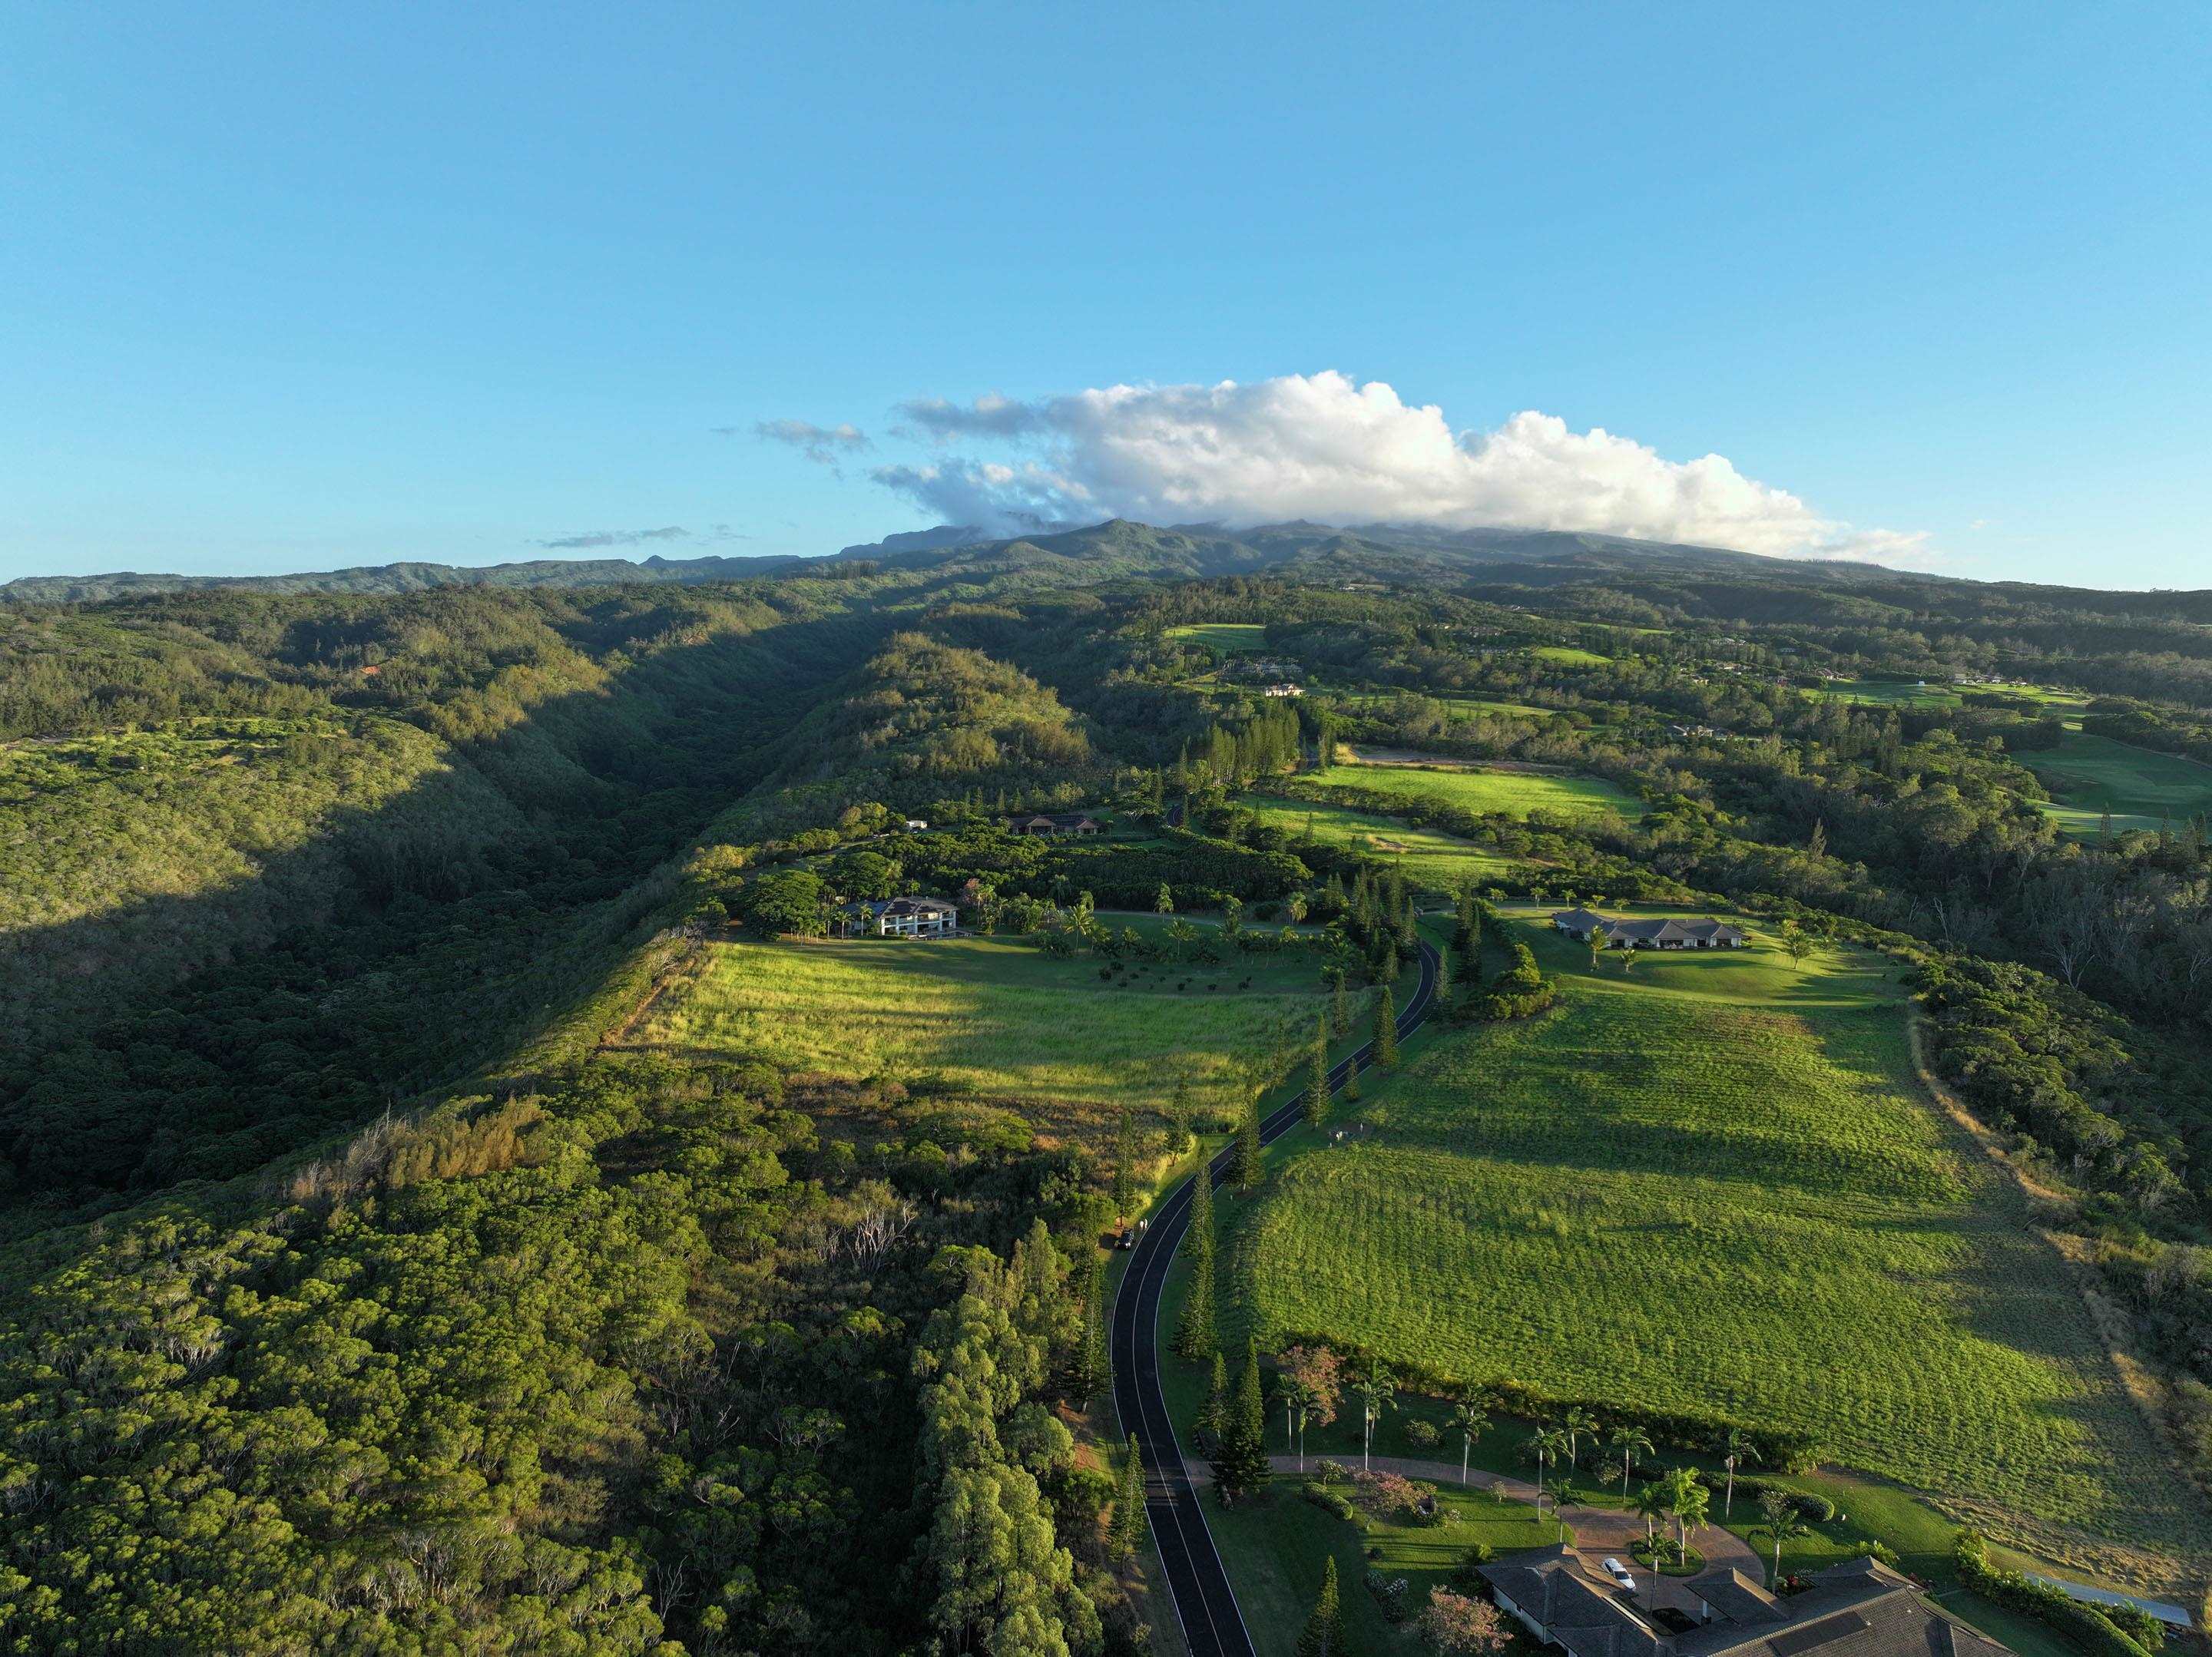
[(1120, 549)]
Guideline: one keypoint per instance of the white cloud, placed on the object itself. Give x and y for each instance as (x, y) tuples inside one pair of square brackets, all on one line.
[(1320, 446), (822, 445)]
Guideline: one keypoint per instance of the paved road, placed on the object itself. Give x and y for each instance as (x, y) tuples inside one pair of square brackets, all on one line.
[(1204, 1601)]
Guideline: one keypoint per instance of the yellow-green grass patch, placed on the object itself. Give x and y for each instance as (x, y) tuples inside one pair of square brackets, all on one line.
[(1517, 793), (1570, 656), (1430, 859), (1710, 1183), (996, 1016), (1230, 636)]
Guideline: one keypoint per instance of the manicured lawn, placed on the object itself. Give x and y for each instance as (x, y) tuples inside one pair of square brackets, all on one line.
[(1570, 655), (1433, 860), (1275, 1542), (997, 1014), (1519, 793), (2092, 775), (1230, 636), (1712, 1185)]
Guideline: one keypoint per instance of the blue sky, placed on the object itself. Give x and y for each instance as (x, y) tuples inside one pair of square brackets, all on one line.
[(290, 287)]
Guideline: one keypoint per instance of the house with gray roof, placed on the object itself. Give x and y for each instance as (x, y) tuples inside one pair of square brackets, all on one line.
[(1861, 1608), (1671, 933)]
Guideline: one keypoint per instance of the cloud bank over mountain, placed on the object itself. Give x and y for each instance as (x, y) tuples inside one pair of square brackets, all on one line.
[(1321, 446)]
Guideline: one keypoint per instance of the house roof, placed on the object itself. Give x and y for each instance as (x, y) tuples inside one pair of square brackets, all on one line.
[(902, 906), (1671, 930), (1861, 1608), (1549, 1584), (1732, 1594)]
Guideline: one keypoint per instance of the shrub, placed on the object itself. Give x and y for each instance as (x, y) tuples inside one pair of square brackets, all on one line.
[(1811, 1505), (1329, 1500), (2095, 1633), (1392, 1593), (1467, 1573), (2139, 1625), (1331, 1472), (1422, 1435)]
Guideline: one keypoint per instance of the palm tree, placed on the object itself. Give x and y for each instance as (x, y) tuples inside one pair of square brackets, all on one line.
[(1377, 1392), (1629, 1443), (1468, 1418), (1577, 1421), (1689, 1502), (1782, 1524), (1736, 1445), (1652, 1509), (1562, 1491), (1544, 1446)]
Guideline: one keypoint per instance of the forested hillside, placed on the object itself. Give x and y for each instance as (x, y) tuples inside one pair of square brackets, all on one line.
[(367, 1289)]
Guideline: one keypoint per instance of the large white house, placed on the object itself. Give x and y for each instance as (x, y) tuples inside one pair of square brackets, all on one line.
[(1667, 934), (901, 917)]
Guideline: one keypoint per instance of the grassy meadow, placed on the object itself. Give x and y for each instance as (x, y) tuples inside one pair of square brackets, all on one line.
[(996, 1015), (1232, 638), (1516, 793), (1434, 860), (1456, 707), (1570, 656), (1711, 1183), (2090, 775)]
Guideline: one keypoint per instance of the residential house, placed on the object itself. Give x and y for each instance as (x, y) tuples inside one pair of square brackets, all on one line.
[(1058, 822), (1668, 934), (1283, 690), (1858, 1608), (901, 916)]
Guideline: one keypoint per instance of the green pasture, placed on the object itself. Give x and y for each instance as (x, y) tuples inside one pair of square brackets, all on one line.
[(1229, 637), (1456, 707), (1708, 1182), (2088, 776), (997, 1017), (1430, 857), (1570, 656), (1516, 793)]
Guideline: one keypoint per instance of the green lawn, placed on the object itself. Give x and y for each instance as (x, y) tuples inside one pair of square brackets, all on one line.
[(1711, 1184), (1520, 794), (2090, 775), (996, 1014), (1275, 1542), (1459, 707), (1432, 859), (1569, 655), (1231, 637)]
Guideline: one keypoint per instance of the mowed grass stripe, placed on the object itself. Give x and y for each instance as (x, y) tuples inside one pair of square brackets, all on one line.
[(1692, 1201)]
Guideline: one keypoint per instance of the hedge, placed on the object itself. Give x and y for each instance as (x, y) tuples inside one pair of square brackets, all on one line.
[(2085, 1625)]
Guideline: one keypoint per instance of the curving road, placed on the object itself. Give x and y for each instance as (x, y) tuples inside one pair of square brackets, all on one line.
[(1204, 1602)]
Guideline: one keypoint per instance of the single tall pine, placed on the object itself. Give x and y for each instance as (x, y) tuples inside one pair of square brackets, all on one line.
[(1089, 1372), (1129, 1534), (1240, 1462), (1317, 1079), (1195, 1331), (1323, 1634), (1340, 1004), (1386, 1030), (1245, 1166)]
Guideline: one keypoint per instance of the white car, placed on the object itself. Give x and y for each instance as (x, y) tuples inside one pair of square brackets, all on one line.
[(1619, 1573)]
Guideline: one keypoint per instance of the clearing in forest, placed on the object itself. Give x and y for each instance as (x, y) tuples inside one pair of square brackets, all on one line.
[(1430, 858), (998, 1017), (1476, 788), (2090, 775), (1231, 637), (1711, 1183)]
